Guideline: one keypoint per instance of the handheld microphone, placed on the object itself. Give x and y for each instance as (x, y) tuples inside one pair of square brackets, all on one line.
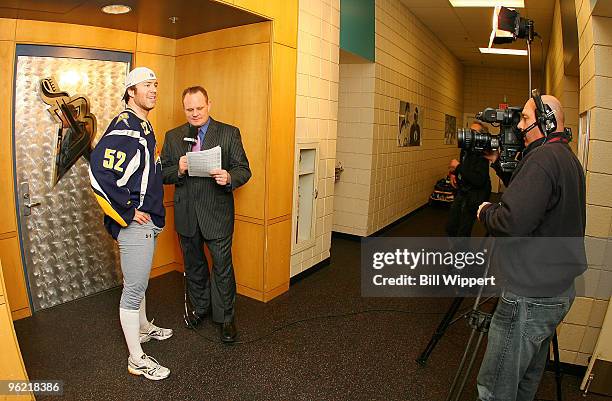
[(190, 143), (191, 139)]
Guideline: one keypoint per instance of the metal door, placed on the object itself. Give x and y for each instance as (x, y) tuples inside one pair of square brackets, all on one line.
[(66, 251)]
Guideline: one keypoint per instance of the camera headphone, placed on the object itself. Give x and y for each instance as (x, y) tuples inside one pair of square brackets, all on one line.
[(545, 115)]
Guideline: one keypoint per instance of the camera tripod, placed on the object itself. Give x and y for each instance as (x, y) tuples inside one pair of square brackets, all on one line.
[(188, 313), (480, 322)]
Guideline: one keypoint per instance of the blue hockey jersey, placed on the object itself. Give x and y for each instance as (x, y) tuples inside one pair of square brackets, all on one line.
[(125, 172)]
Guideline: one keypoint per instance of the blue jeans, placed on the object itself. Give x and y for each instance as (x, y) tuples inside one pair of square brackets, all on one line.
[(519, 339)]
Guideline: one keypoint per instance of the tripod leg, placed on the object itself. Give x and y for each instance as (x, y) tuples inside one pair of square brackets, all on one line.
[(470, 366), (187, 313), (555, 342), (446, 321), (468, 347)]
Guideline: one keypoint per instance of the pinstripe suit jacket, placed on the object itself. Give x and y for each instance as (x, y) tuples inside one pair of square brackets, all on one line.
[(200, 201)]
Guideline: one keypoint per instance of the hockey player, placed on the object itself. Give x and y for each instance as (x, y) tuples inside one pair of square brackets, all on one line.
[(126, 178)]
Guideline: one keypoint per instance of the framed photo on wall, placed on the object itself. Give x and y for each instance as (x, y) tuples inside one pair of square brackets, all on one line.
[(450, 129), (584, 132), (410, 122), (403, 132)]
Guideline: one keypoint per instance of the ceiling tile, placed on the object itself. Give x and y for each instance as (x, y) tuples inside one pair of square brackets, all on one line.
[(442, 22), (464, 30), (426, 3), (542, 4)]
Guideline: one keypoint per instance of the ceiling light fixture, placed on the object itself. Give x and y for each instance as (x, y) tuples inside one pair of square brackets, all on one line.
[(499, 36), (116, 9), (488, 3), (512, 52)]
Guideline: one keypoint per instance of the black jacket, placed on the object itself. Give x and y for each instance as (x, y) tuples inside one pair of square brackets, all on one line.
[(473, 176), (200, 201), (546, 197)]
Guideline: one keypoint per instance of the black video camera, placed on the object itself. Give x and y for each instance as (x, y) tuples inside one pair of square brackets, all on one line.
[(509, 142)]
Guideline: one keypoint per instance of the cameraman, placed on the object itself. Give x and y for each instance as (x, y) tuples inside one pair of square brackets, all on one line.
[(545, 198), (471, 178)]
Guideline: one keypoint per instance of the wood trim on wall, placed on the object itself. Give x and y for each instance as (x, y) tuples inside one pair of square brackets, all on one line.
[(284, 16), (161, 270), (21, 313), (14, 275), (162, 54), (248, 255), (225, 38), (262, 273), (278, 255), (236, 79), (7, 29), (155, 45), (11, 363), (60, 34), (282, 128), (8, 219)]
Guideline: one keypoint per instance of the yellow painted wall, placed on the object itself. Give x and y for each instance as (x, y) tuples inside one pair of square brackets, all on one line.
[(352, 200), (581, 328), (559, 83), (388, 181), (316, 119), (488, 87)]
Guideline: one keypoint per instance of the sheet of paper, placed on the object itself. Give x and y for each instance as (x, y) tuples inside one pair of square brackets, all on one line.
[(200, 163)]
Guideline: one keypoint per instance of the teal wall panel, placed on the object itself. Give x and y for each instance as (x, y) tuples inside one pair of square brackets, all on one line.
[(357, 27)]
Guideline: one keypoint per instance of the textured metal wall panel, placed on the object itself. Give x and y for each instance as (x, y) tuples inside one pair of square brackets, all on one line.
[(68, 253)]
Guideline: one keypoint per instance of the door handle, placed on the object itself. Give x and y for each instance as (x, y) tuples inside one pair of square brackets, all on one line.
[(26, 203)]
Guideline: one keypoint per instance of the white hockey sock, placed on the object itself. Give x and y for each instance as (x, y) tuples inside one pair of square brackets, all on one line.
[(144, 322), (131, 331)]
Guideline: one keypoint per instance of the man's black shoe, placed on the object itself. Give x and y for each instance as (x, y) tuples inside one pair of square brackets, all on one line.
[(228, 332)]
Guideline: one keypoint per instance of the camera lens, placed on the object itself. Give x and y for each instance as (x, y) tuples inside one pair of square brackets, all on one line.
[(474, 140), (465, 138)]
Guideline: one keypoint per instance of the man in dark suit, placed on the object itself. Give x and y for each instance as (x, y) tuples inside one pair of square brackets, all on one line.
[(204, 207)]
